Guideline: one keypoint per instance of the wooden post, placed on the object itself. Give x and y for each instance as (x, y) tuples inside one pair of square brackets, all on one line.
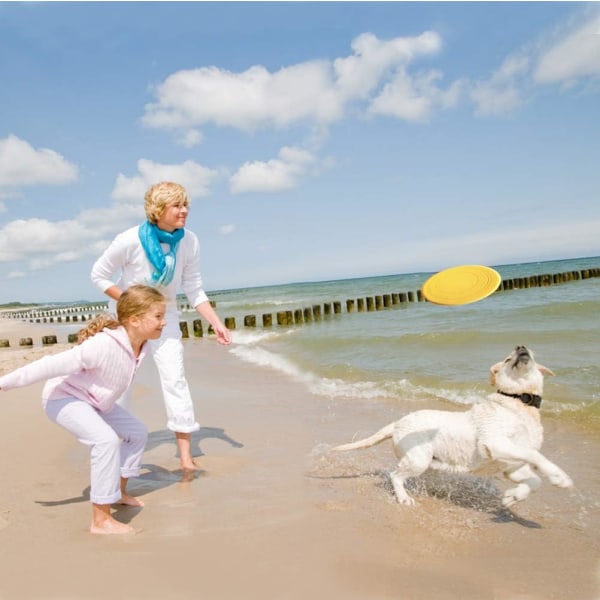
[(337, 307), (378, 302), (403, 297), (183, 327), (411, 296), (317, 312), (197, 325), (267, 320), (25, 342), (282, 318), (327, 308), (230, 322), (250, 321), (360, 305), (72, 338), (298, 316), (4, 343), (49, 339), (308, 316), (370, 304), (395, 299), (349, 306)]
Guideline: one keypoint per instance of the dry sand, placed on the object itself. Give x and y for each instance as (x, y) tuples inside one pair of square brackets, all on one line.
[(271, 514)]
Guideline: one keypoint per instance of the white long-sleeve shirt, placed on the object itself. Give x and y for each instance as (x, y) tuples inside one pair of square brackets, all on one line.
[(126, 258), (97, 371)]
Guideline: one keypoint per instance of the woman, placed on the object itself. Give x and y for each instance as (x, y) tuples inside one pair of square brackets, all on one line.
[(162, 253)]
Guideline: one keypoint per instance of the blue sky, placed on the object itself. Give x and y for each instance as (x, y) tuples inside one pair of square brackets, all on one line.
[(317, 140)]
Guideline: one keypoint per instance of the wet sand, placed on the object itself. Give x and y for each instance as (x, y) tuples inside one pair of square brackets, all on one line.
[(272, 514)]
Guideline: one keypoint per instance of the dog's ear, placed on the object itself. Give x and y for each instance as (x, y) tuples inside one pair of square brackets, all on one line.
[(493, 372), (546, 371)]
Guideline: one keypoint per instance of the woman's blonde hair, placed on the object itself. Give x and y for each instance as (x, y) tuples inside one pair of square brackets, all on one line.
[(135, 301), (161, 195)]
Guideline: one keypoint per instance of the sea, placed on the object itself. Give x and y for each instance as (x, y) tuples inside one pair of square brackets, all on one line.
[(423, 353)]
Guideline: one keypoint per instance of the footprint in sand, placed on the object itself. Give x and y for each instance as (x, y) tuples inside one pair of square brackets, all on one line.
[(331, 505), (4, 520)]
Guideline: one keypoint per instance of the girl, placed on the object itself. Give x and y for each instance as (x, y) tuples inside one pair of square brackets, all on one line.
[(83, 386)]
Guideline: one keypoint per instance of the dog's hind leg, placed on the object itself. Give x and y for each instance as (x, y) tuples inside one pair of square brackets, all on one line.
[(528, 482), (412, 464), (398, 479)]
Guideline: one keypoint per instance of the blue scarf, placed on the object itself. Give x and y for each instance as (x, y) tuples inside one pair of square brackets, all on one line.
[(164, 264)]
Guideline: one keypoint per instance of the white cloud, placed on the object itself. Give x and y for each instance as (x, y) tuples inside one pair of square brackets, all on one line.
[(575, 56), (227, 229), (414, 98), (16, 275), (23, 165), (502, 92), (571, 55), (42, 241), (190, 138), (276, 175), (194, 177), (318, 92), (359, 74)]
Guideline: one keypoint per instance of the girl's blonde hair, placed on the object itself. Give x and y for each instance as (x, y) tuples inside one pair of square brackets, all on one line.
[(135, 301), (161, 195)]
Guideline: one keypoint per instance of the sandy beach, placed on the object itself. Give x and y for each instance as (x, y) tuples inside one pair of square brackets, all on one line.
[(271, 514)]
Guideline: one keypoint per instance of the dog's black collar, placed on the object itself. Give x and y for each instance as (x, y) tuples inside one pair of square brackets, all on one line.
[(529, 399)]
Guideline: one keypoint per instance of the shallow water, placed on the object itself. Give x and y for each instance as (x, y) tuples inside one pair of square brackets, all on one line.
[(418, 351)]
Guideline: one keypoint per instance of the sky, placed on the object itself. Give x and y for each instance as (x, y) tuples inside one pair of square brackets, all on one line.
[(317, 140)]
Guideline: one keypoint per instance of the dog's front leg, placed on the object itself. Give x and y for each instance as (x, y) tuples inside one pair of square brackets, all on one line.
[(505, 450), (528, 482)]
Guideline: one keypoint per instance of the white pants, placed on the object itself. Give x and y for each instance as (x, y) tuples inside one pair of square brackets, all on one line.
[(117, 440), (167, 353)]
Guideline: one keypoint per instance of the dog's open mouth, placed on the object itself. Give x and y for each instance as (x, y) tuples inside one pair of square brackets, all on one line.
[(522, 356)]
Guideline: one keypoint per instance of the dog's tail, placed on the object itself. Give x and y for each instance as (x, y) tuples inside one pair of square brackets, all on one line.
[(376, 438)]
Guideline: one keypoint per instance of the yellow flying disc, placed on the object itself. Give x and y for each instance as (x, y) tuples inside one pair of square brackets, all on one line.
[(461, 285)]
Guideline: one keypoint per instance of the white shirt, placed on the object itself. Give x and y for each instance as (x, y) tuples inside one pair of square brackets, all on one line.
[(126, 257)]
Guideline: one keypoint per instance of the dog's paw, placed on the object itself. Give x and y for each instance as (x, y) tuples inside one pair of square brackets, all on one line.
[(514, 495), (406, 501), (561, 479)]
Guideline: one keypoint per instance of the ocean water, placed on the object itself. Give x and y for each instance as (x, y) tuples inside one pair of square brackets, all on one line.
[(417, 351)]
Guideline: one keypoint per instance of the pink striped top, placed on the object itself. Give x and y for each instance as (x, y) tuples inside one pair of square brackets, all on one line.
[(98, 371)]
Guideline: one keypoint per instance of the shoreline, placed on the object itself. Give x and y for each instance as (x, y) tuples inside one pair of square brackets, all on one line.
[(271, 514)]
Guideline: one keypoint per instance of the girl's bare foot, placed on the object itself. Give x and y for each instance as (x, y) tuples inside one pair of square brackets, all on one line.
[(130, 500), (110, 526)]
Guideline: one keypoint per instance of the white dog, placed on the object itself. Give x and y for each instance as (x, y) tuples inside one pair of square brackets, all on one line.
[(505, 429)]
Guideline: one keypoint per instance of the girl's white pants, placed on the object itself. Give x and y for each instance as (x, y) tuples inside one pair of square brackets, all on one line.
[(117, 440)]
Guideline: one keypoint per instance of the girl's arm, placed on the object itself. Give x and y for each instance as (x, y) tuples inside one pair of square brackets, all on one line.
[(65, 363)]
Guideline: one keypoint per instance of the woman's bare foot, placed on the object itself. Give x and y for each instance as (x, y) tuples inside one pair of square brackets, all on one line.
[(130, 500), (188, 464), (184, 446), (110, 526)]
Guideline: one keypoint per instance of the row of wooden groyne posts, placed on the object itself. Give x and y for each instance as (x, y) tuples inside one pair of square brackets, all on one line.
[(286, 317)]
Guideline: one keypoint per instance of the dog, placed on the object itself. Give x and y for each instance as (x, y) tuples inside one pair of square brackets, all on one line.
[(505, 431)]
